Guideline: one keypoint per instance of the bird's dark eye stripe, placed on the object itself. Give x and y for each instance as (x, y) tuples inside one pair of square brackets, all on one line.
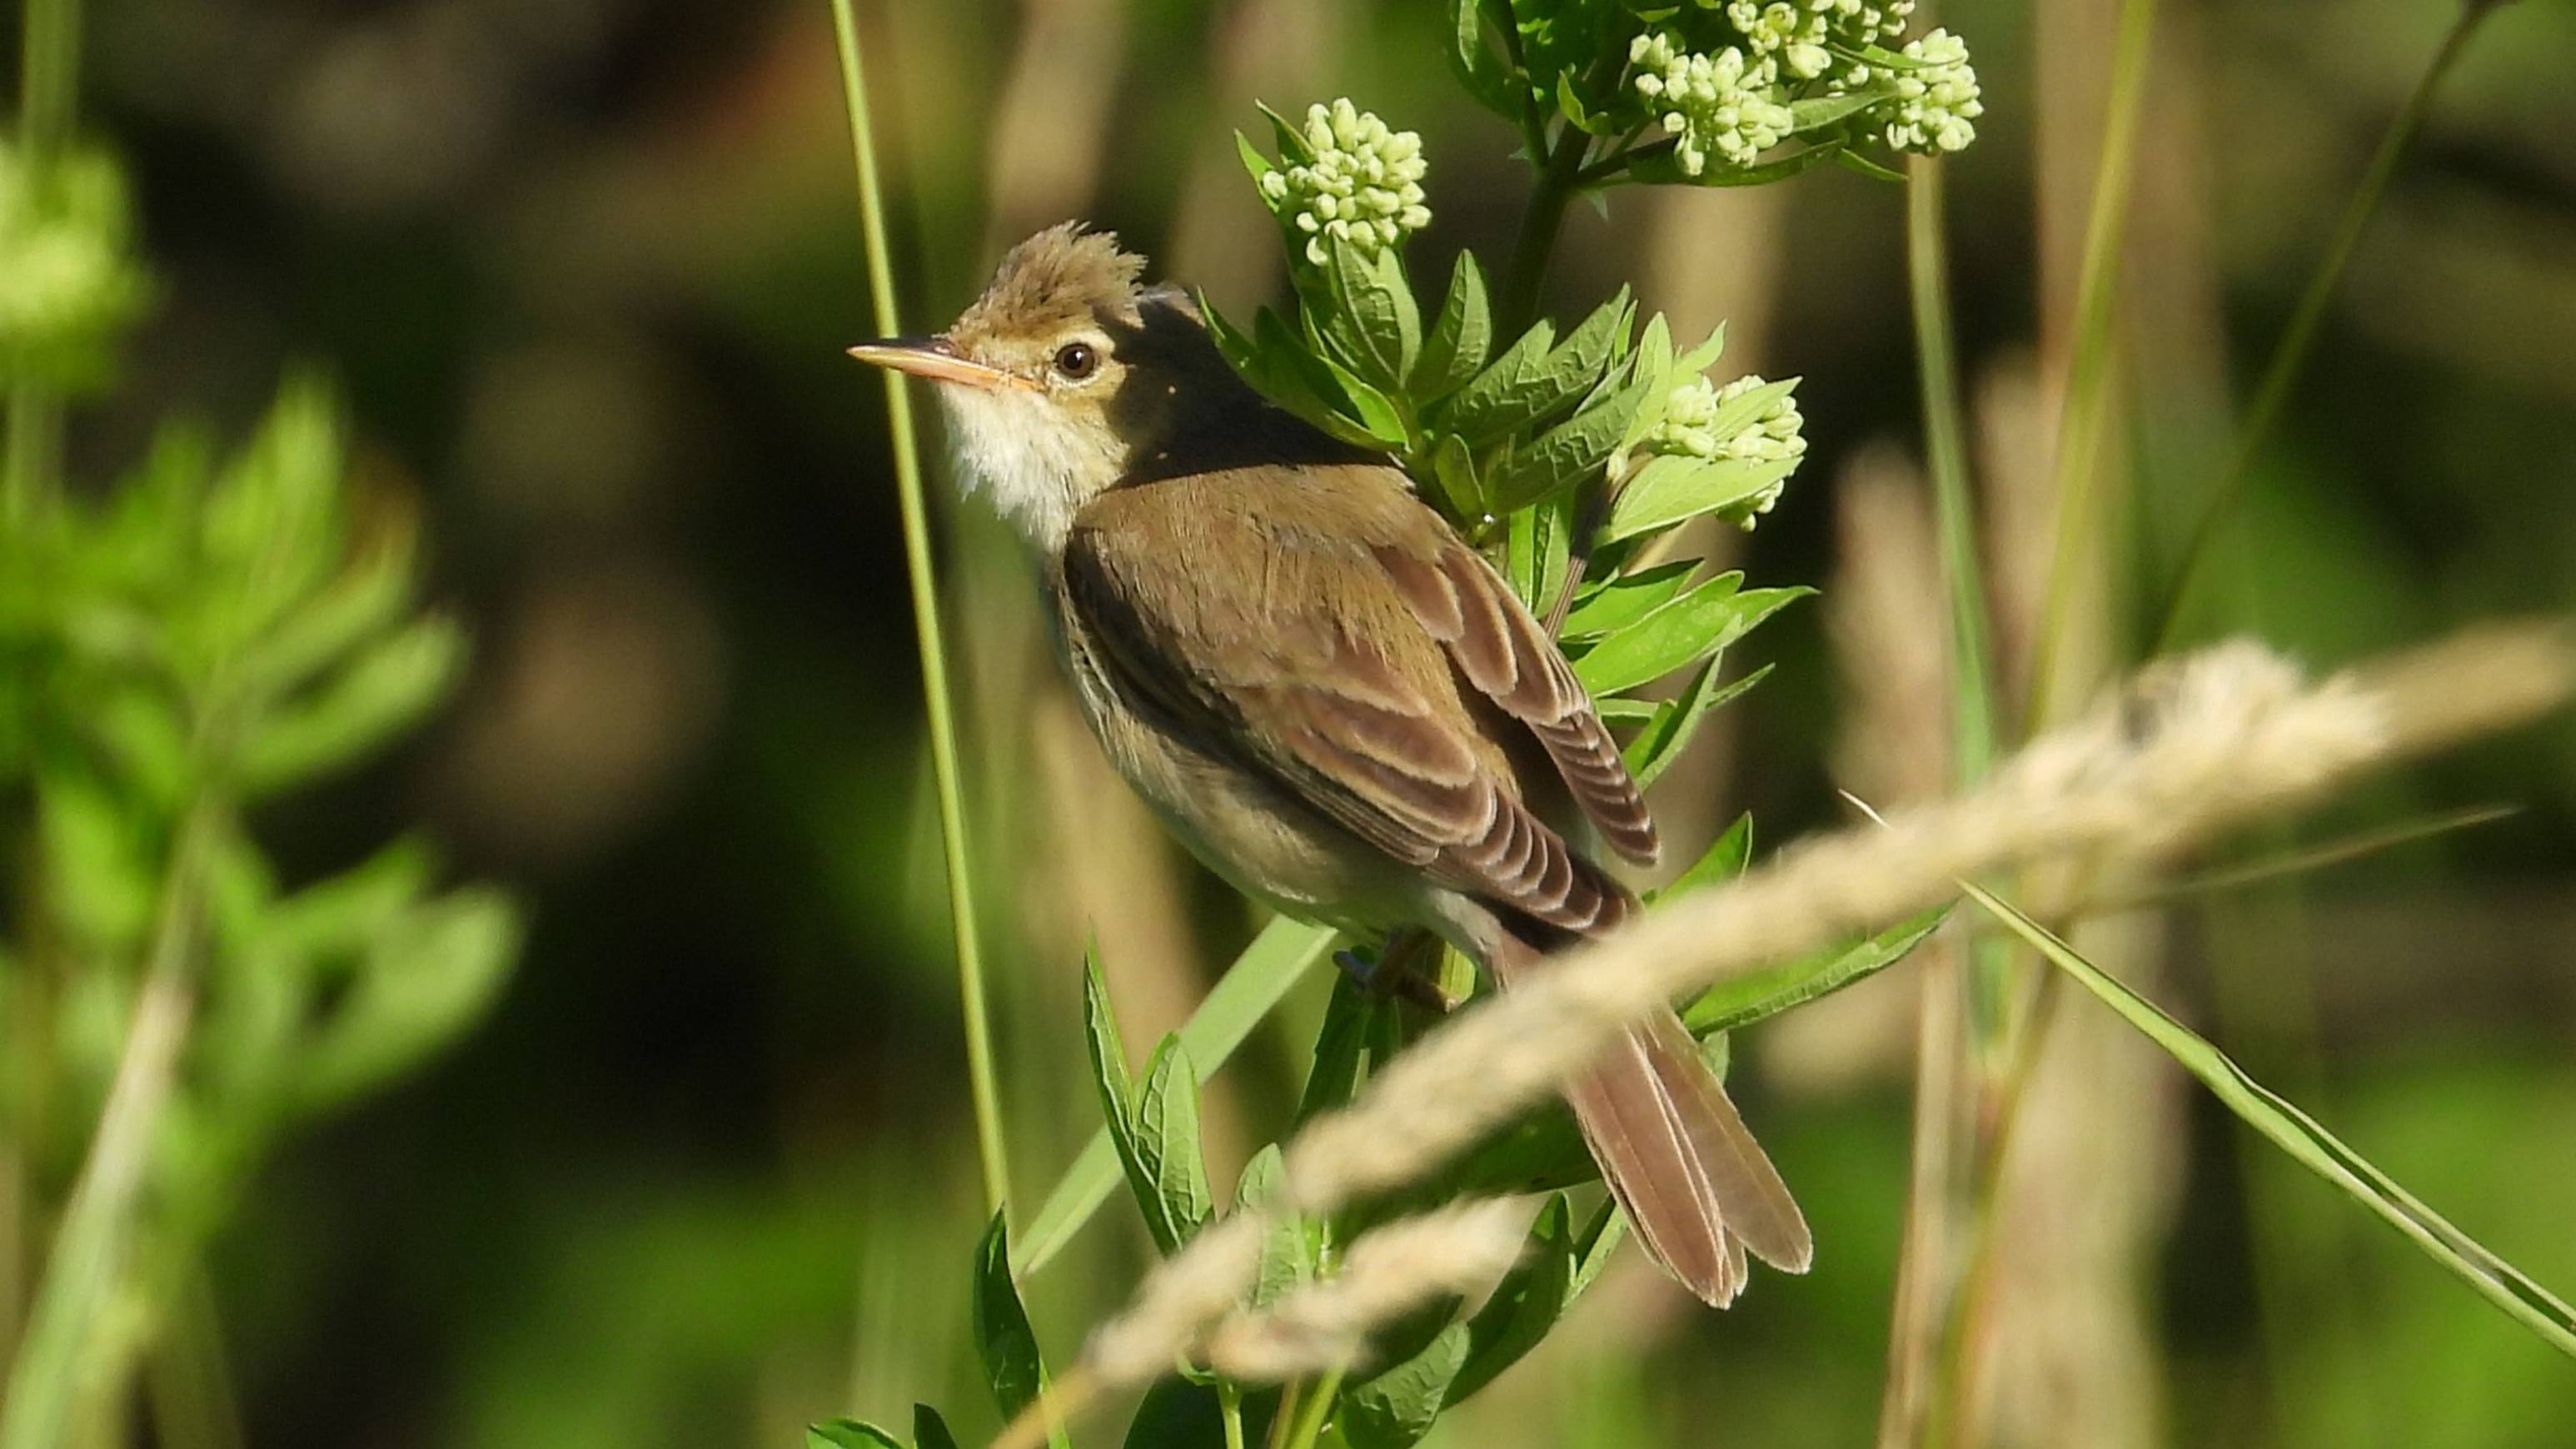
[(1076, 359)]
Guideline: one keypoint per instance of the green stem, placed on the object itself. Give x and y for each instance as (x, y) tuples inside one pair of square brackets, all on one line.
[(1971, 635), (1555, 188), (48, 93), (1311, 1414), (2088, 367), (58, 1367), (945, 776), (1229, 1406), (2290, 354)]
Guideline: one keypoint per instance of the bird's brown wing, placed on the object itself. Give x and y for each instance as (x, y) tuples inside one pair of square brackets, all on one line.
[(1256, 607), (1504, 653)]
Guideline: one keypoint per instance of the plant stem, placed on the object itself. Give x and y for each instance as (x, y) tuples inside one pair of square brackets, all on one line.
[(2088, 367), (1311, 1414), (48, 92), (1229, 1407), (57, 1367), (936, 697), (2290, 354), (1549, 197), (1971, 635)]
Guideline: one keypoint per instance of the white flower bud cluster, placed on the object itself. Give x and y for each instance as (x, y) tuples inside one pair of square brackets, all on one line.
[(1712, 104), (66, 285), (1936, 103), (1776, 435), (1780, 31), (1364, 185)]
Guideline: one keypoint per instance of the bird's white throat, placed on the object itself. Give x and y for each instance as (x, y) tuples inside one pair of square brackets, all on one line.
[(1032, 463)]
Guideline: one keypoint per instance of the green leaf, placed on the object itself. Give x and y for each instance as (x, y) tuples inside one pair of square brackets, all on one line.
[(1168, 1174), (1851, 160), (1670, 489), (1341, 1050), (1284, 133), (1460, 337), (331, 922), (1524, 1306), (1258, 981), (1532, 380), (1676, 720), (100, 875), (1380, 424), (1255, 164), (1594, 1245), (1742, 1000), (1660, 168), (1536, 548), (1615, 602), (1724, 860), (1004, 1342), (849, 1434), (1690, 628), (384, 692), (1453, 468), (1374, 316), (2307, 1142), (1569, 104), (1292, 1252), (1109, 1065), (416, 989), (1818, 112), (1396, 1407), (1484, 75), (1571, 451), (929, 1431), (1177, 1414)]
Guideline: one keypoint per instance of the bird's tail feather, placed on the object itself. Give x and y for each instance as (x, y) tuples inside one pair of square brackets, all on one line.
[(1699, 1191)]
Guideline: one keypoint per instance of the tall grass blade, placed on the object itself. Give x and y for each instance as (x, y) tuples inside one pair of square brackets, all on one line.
[(936, 698), (1258, 980), (2307, 1142)]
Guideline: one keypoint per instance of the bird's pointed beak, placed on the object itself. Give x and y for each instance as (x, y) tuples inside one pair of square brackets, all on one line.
[(937, 359)]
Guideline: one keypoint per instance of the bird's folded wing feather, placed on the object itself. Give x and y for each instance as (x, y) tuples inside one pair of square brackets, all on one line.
[(1224, 603)]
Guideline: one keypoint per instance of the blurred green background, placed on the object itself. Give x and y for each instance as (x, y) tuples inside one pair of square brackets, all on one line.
[(584, 269)]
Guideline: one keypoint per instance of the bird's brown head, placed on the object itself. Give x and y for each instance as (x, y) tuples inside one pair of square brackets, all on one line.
[(1064, 377)]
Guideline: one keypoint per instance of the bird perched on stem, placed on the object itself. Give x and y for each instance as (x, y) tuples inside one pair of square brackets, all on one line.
[(1326, 693)]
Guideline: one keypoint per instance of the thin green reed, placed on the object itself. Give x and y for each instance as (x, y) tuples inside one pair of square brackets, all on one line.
[(2290, 354), (937, 703), (48, 94)]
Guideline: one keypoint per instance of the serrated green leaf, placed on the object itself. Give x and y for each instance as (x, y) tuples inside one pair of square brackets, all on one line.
[(1257, 981), (1616, 602), (1171, 1182), (849, 1434), (1537, 545), (1692, 627), (1676, 720), (1453, 469), (1724, 860), (1374, 317), (1674, 488), (1004, 1342), (1394, 1408), (1460, 337), (1571, 451), (1667, 638), (1533, 381), (1742, 1000)]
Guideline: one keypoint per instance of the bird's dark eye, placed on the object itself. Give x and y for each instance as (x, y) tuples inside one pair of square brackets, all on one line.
[(1077, 360)]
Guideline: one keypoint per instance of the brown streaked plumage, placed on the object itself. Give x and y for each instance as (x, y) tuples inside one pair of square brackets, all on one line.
[(1326, 693)]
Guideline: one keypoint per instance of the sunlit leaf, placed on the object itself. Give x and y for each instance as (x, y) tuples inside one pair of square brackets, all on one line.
[(1171, 1177), (1460, 337)]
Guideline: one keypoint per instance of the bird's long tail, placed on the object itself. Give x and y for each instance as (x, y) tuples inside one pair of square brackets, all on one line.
[(1696, 1187)]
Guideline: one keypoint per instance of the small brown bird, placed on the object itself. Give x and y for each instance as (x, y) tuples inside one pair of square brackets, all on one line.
[(1328, 695)]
